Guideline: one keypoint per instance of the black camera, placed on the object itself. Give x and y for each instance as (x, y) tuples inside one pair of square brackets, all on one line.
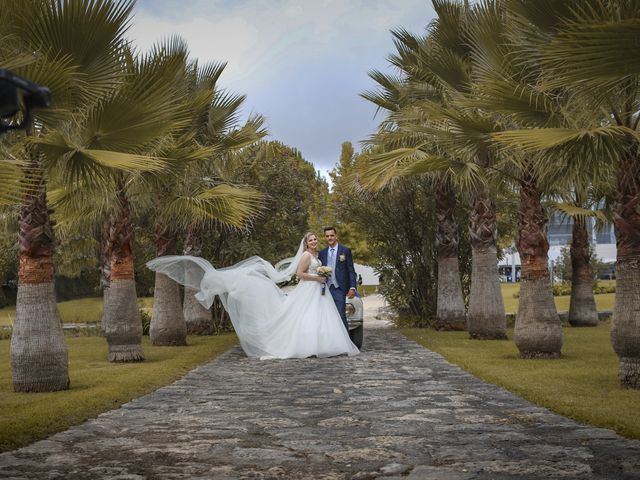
[(18, 97)]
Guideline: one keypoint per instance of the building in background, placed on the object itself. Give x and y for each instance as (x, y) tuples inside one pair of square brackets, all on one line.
[(559, 231)]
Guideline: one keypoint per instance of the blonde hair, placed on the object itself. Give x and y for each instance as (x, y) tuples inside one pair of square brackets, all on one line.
[(306, 238)]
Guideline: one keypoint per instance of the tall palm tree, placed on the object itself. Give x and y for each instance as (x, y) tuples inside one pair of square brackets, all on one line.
[(462, 131), (131, 124), (440, 63), (393, 95), (73, 48), (217, 129), (604, 77), (498, 78), (584, 205), (186, 197), (450, 313)]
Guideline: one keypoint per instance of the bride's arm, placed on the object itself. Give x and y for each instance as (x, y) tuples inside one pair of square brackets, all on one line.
[(303, 266)]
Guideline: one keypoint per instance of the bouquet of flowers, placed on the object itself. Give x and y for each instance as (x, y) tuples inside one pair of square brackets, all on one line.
[(324, 272)]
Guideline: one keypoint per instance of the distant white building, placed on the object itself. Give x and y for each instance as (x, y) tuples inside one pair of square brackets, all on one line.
[(559, 232), (369, 276)]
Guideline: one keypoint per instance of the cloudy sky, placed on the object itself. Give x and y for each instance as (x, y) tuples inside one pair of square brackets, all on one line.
[(301, 63)]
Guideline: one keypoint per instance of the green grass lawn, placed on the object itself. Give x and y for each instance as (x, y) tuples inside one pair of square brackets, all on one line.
[(82, 310), (89, 310), (603, 301), (582, 384), (96, 385)]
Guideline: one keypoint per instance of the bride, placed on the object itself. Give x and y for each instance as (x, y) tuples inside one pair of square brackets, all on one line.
[(268, 322)]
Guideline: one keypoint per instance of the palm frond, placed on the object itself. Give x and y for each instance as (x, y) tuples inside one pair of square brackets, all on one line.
[(224, 112), (382, 168), (88, 34), (226, 204), (209, 74), (129, 162), (252, 131), (535, 139), (596, 45), (14, 184), (387, 95), (80, 203), (574, 211)]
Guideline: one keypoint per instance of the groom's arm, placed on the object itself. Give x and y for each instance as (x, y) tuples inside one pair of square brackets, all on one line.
[(352, 273)]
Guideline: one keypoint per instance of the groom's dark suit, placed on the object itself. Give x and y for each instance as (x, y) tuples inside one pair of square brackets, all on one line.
[(344, 274)]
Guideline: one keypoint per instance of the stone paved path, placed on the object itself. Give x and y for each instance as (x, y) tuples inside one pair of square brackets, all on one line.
[(395, 411)]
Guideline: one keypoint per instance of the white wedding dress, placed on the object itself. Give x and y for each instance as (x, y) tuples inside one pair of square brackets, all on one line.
[(268, 322)]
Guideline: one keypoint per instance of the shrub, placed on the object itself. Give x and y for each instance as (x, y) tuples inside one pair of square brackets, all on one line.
[(411, 321), (5, 332), (145, 318), (599, 289), (560, 289), (564, 289)]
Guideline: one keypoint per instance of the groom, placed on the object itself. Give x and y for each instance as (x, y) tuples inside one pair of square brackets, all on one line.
[(342, 282)]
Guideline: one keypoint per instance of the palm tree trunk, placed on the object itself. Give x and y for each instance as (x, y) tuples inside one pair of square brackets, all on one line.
[(450, 314), (167, 321), (39, 357), (105, 265), (105, 255), (3, 297), (582, 309), (199, 320), (538, 332), (625, 330), (121, 320), (221, 320), (486, 317)]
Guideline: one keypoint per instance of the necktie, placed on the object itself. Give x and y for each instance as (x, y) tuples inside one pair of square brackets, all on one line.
[(332, 264)]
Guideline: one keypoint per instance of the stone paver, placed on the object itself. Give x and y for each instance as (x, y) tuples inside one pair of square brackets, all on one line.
[(396, 411)]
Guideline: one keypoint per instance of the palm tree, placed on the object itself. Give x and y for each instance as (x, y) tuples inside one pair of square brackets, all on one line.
[(462, 132), (219, 130), (394, 95), (582, 305), (223, 204), (186, 197), (584, 205), (72, 47), (138, 117), (502, 86), (450, 314), (436, 117), (603, 77), (198, 319)]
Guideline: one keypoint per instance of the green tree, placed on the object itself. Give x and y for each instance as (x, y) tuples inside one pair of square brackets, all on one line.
[(602, 79), (291, 186), (337, 213), (219, 129), (428, 132), (185, 197), (398, 222), (132, 123), (75, 48)]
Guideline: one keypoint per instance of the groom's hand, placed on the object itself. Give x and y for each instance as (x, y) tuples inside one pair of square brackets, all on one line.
[(351, 293)]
